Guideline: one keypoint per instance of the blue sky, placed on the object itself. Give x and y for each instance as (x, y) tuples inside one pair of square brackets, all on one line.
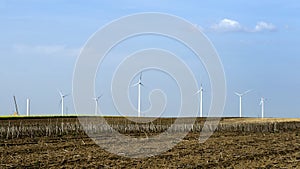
[(257, 41)]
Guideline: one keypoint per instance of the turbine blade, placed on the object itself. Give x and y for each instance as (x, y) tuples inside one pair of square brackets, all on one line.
[(247, 92), (238, 94), (99, 96), (201, 87), (262, 100), (197, 92), (135, 84), (60, 93), (141, 75)]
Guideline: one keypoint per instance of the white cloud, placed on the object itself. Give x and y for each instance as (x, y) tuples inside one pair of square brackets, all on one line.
[(229, 25), (58, 50), (263, 26)]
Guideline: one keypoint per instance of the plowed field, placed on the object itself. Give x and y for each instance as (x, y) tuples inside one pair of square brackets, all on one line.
[(280, 149)]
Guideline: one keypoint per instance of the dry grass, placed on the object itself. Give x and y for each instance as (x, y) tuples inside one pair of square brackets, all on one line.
[(54, 127), (259, 120)]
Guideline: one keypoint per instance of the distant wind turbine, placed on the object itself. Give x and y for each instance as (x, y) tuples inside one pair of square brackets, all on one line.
[(262, 103), (28, 107), (200, 92), (139, 84), (97, 103), (62, 96), (241, 95)]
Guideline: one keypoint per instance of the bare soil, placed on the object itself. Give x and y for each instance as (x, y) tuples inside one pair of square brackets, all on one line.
[(223, 150)]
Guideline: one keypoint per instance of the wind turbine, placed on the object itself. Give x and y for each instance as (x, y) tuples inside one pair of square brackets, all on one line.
[(241, 95), (97, 103), (139, 84), (200, 91), (62, 96), (262, 103), (28, 107)]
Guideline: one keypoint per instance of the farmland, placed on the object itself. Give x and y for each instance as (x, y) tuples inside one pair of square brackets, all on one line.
[(61, 143)]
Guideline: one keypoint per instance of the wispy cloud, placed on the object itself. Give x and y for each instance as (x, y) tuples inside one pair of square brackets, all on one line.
[(59, 50), (229, 25), (263, 26)]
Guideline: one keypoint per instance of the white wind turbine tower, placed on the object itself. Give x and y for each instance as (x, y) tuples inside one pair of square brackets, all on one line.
[(262, 103), (200, 92), (241, 95), (28, 107), (139, 84), (97, 103), (62, 96)]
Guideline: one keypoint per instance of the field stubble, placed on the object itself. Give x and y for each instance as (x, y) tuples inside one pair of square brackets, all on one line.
[(238, 143)]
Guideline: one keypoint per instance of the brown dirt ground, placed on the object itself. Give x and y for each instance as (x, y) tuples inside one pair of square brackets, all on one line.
[(222, 150)]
